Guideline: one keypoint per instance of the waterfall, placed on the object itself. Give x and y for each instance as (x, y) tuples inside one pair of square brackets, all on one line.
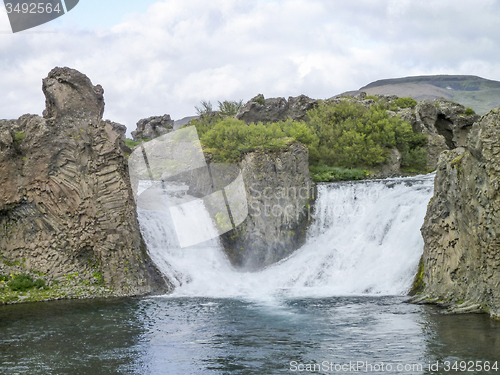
[(364, 240)]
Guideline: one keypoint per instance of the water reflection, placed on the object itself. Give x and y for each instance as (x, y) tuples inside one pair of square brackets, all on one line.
[(228, 336), (78, 337)]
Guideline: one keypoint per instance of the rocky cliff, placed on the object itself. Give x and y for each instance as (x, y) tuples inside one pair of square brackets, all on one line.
[(445, 123), (280, 193), (66, 205), (460, 266)]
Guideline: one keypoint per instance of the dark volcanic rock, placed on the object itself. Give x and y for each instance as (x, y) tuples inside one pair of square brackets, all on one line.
[(70, 93), (279, 194), (66, 204), (153, 127), (446, 124), (259, 109), (461, 231)]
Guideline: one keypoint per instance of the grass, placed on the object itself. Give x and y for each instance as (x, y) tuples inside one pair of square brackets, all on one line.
[(20, 287)]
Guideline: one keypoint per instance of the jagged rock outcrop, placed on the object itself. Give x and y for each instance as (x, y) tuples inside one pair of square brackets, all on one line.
[(280, 193), (153, 127), (461, 260), (259, 109), (445, 123), (66, 205)]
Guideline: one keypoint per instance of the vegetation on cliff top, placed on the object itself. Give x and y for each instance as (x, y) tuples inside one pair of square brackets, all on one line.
[(344, 139)]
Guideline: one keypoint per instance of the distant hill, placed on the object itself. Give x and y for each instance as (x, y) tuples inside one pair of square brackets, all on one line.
[(471, 91)]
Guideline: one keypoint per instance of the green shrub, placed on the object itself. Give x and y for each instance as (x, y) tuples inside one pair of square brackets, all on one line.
[(205, 107), (18, 138), (351, 135), (229, 108), (260, 100), (229, 139), (405, 102), (345, 135), (21, 283), (324, 173), (469, 111)]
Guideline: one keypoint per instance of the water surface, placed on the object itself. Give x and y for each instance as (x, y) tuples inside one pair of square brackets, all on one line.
[(164, 335)]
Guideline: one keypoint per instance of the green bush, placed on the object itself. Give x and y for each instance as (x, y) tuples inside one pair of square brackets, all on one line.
[(345, 135), (324, 173), (351, 135), (205, 107), (260, 100), (23, 282), (229, 108), (40, 283), (229, 139), (469, 111), (18, 138), (405, 102)]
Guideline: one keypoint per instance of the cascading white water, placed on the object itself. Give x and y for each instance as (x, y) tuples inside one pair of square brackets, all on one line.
[(364, 239)]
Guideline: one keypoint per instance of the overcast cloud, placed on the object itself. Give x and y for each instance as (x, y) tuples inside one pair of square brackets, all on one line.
[(178, 52)]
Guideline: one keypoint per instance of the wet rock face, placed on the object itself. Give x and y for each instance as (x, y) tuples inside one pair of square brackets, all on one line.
[(259, 109), (153, 127), (66, 204), (461, 230), (279, 194)]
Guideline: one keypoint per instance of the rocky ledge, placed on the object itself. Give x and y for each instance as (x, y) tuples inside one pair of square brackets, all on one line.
[(460, 267), (67, 212)]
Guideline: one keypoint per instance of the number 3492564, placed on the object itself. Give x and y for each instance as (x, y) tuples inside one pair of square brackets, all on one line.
[(33, 8)]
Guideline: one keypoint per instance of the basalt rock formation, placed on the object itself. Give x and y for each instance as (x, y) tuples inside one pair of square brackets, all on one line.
[(153, 127), (66, 205), (280, 193), (461, 262), (259, 109), (445, 123)]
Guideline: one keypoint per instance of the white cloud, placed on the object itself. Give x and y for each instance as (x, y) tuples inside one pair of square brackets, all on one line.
[(179, 52)]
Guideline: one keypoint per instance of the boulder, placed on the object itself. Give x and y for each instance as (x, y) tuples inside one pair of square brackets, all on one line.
[(153, 127)]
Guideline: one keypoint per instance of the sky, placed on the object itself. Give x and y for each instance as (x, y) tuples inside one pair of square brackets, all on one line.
[(164, 57)]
